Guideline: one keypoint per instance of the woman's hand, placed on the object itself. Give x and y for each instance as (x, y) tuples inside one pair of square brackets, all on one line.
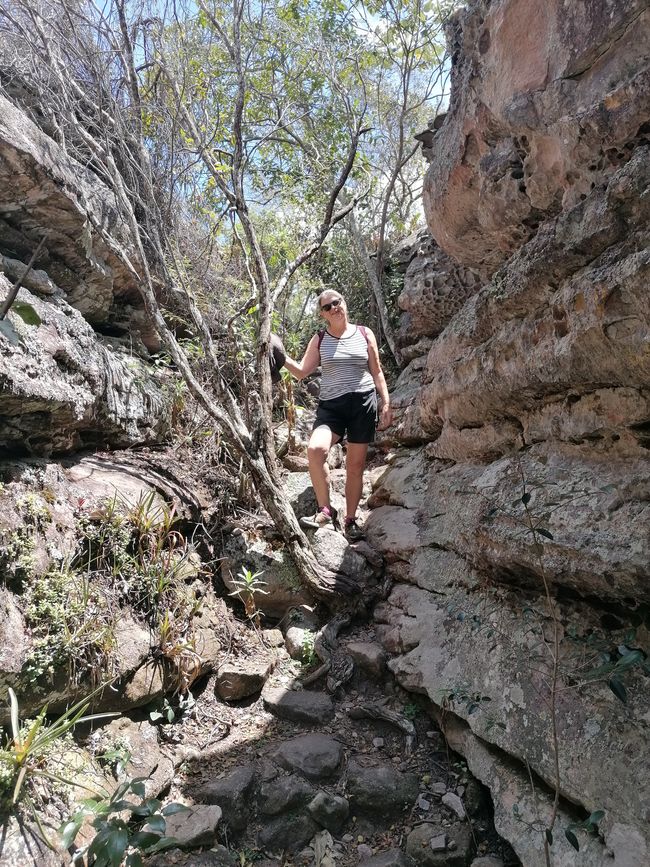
[(385, 417)]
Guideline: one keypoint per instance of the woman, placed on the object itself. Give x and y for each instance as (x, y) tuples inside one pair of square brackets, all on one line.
[(351, 379)]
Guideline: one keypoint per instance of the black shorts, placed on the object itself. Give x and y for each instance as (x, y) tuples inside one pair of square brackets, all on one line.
[(354, 413)]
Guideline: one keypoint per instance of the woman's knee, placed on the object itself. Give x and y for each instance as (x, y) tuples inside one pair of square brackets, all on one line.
[(317, 452)]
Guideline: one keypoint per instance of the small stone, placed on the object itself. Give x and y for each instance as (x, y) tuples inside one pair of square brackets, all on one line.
[(287, 833), (364, 852), (439, 843), (438, 788), (347, 838), (423, 804), (369, 656), (381, 788), (454, 803), (360, 838), (237, 679), (231, 793), (283, 794), (330, 811), (390, 858), (273, 637), (312, 708), (313, 755), (487, 861), (452, 845), (194, 827), (378, 743)]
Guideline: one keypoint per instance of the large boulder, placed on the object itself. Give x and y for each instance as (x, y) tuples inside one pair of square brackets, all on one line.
[(63, 387)]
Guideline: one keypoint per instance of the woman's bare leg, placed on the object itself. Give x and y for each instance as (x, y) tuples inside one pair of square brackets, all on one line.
[(320, 443), (355, 463)]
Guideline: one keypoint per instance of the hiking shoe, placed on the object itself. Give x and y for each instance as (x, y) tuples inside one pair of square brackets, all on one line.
[(322, 518), (353, 531)]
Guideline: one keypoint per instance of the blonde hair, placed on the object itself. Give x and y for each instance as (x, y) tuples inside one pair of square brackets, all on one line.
[(319, 300)]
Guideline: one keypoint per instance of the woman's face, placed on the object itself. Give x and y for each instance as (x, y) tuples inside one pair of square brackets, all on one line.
[(332, 307)]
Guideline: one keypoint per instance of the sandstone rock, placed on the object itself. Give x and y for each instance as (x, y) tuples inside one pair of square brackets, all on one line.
[(312, 708), (22, 845), (381, 788), (435, 288), (369, 656), (391, 858), (334, 552), (239, 678), (216, 856), (330, 811), (455, 804), (487, 861), (284, 794), (519, 142), (231, 794), (44, 191), (313, 755), (61, 386), (194, 827), (287, 833), (604, 761), (147, 759), (427, 846)]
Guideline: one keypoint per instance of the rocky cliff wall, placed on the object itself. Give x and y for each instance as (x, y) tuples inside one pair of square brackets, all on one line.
[(74, 368), (523, 423)]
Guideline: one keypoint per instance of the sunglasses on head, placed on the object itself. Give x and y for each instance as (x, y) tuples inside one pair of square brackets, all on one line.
[(328, 307)]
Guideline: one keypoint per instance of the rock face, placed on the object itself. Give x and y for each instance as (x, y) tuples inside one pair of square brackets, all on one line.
[(73, 362), (43, 191), (514, 519), (545, 104)]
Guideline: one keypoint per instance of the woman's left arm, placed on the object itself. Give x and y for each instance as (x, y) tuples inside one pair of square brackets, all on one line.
[(374, 365)]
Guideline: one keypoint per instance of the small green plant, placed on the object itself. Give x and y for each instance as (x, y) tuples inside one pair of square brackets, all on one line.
[(588, 826), (410, 711), (116, 756), (247, 584), (71, 626), (167, 711), (308, 650), (31, 756), (34, 509), (462, 695), (125, 829)]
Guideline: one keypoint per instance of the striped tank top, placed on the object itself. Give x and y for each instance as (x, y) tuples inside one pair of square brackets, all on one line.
[(344, 363)]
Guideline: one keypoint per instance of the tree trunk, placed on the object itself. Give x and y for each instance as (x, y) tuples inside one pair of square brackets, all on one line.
[(376, 287)]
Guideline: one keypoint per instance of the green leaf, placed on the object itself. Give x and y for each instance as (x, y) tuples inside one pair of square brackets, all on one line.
[(116, 843), (544, 532), (618, 689), (156, 824), (144, 839), (70, 829), (134, 860), (172, 809), (137, 787), (571, 837), (525, 499), (633, 657), (549, 836), (162, 844), (26, 313), (596, 817)]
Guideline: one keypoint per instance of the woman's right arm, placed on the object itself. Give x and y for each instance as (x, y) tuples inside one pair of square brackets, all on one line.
[(309, 363)]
